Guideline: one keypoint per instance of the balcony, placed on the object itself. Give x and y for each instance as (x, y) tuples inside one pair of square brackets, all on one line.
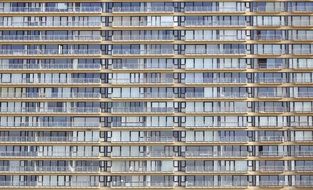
[(271, 154), (49, 24), (270, 95), (303, 168), (137, 9), (271, 139), (142, 184), (271, 169), (303, 154), (47, 110), (50, 66), (268, 9), (143, 24), (146, 96), (303, 139), (41, 185), (300, 124), (199, 51), (51, 10), (269, 80), (234, 95), (237, 139), (304, 183), (142, 37), (143, 170), (54, 81), (231, 24), (50, 96), (224, 154), (52, 154), (94, 125), (302, 80), (208, 9), (147, 154), (143, 66), (137, 52), (234, 80), (42, 139), (131, 81), (211, 169), (273, 183), (136, 110), (305, 95), (268, 37), (49, 169), (212, 185), (301, 9), (232, 110), (131, 125), (155, 139), (50, 52), (271, 109), (40, 38)]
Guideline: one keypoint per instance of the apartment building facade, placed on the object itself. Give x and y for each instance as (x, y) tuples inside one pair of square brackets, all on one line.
[(156, 94)]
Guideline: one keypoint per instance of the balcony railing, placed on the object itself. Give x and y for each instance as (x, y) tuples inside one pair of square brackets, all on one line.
[(15, 169), (300, 8), (221, 95), (221, 110), (51, 9), (271, 109), (223, 185), (147, 184), (142, 66), (24, 52), (211, 169), (146, 140), (197, 23), (304, 183), (142, 24), (51, 110), (53, 124), (144, 169), (270, 95), (271, 183), (51, 24), (216, 80), (49, 38), (237, 139), (146, 95), (142, 80), (51, 154), (57, 66), (43, 185), (300, 124), (142, 110), (142, 52), (303, 168), (191, 9), (138, 124), (271, 154), (271, 168), (270, 80), (133, 9), (142, 37), (44, 139), (214, 51), (303, 154), (51, 95), (53, 81), (268, 37), (207, 154), (150, 154), (271, 139)]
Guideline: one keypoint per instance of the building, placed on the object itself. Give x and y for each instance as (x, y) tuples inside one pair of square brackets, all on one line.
[(156, 94)]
